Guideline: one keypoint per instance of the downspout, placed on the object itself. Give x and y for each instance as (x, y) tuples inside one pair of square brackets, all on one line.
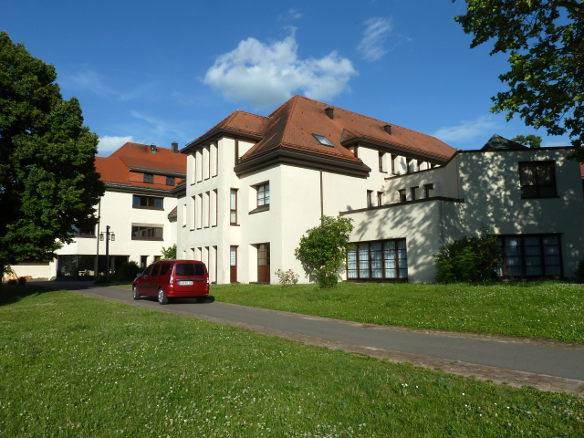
[(321, 197)]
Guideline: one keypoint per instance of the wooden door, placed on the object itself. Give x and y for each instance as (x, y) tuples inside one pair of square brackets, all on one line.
[(264, 263), (233, 264)]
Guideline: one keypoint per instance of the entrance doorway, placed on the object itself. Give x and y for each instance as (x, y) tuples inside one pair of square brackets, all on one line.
[(263, 263), (233, 264)]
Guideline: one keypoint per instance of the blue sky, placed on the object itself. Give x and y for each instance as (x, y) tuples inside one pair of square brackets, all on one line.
[(156, 72)]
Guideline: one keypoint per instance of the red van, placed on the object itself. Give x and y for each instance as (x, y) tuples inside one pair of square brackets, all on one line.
[(172, 278)]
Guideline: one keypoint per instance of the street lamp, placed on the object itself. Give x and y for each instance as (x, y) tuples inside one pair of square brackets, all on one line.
[(108, 235)]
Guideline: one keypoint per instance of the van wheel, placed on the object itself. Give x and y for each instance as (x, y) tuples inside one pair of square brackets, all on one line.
[(135, 293), (162, 298)]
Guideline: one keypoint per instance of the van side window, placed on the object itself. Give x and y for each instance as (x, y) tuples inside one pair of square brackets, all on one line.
[(165, 268), (155, 270), (149, 270)]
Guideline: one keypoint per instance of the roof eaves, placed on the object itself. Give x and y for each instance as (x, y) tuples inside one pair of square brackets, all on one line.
[(302, 159), (215, 134), (390, 146)]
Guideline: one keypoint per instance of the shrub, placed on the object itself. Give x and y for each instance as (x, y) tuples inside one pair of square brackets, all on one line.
[(579, 274), (322, 251), (127, 271), (169, 253), (287, 278), (470, 259)]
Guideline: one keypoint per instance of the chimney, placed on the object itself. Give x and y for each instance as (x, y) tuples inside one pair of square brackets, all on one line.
[(174, 146), (153, 148), (330, 112), (387, 128)]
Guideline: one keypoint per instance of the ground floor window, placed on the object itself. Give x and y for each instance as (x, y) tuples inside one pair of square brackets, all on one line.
[(82, 266), (531, 255), (380, 260)]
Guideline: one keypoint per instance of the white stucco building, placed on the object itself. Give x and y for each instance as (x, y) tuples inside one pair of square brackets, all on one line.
[(141, 182), (255, 184)]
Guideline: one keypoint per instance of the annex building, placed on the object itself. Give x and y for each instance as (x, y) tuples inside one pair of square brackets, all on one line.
[(254, 184)]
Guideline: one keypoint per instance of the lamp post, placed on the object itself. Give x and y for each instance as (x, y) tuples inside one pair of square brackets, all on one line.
[(109, 235)]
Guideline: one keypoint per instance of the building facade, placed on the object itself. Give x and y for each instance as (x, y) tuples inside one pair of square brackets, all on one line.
[(135, 219), (256, 184)]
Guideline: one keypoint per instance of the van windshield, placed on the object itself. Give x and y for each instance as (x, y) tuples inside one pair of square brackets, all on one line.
[(190, 269)]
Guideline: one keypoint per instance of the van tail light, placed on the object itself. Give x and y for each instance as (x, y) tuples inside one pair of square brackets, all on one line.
[(172, 277)]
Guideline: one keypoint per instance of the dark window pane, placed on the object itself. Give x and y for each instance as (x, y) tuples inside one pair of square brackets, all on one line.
[(185, 269)]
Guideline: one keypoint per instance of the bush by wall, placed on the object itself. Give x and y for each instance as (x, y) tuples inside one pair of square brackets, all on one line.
[(127, 271), (470, 259)]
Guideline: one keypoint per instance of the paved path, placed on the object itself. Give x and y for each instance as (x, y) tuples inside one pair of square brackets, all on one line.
[(546, 365)]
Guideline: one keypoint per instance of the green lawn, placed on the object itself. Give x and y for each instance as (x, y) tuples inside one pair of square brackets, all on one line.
[(76, 366), (550, 310)]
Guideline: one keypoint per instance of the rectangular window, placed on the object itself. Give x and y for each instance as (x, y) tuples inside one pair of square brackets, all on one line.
[(369, 198), (381, 260), (84, 231), (531, 256), (148, 178), (214, 209), (233, 207), (382, 162), (146, 232), (402, 195), (263, 194), (148, 202), (201, 212), (428, 190), (538, 179), (170, 180), (379, 199), (206, 209), (414, 193)]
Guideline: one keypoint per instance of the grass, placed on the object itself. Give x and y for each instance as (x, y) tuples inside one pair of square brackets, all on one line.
[(551, 310), (76, 366)]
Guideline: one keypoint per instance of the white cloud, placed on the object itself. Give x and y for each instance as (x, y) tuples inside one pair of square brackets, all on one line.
[(482, 126), (265, 75), (108, 144), (372, 45)]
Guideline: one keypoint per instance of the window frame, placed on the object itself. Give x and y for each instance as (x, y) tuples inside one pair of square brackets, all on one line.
[(148, 178), (534, 191), (522, 255), (148, 207), (266, 198), (170, 180), (148, 238), (233, 211), (386, 245)]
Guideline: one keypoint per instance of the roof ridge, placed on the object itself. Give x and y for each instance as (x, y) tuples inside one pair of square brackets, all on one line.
[(251, 114)]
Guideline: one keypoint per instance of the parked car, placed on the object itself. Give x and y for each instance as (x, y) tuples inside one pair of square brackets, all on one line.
[(172, 278)]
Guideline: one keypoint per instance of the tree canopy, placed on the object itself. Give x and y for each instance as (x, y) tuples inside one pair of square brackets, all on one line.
[(48, 183), (323, 250), (532, 141), (544, 40)]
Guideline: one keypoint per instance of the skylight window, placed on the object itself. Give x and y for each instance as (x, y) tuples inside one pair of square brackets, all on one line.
[(323, 140)]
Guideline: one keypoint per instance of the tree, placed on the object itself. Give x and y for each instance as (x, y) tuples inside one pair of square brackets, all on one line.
[(545, 43), (169, 253), (532, 141), (322, 251), (48, 183)]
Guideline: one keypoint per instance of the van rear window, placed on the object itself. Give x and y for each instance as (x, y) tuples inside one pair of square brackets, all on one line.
[(190, 269)]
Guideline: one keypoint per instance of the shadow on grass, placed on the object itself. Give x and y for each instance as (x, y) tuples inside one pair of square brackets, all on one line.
[(13, 293)]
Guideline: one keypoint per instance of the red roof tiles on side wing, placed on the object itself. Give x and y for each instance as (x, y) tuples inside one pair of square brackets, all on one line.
[(115, 169)]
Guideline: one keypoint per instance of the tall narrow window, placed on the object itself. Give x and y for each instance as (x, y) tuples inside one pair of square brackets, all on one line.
[(382, 162), (214, 208), (379, 199), (233, 207), (233, 264), (428, 190), (414, 193), (402, 195), (369, 198)]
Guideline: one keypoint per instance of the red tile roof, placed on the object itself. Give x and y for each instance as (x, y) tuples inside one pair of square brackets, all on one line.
[(116, 169), (292, 125)]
